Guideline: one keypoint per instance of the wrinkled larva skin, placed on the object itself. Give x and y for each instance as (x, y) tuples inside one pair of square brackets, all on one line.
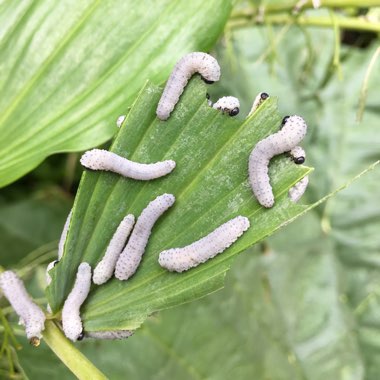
[(105, 268), (228, 104), (109, 335), (71, 320), (296, 192), (290, 135), (259, 100), (182, 259), (62, 240), (100, 159), (130, 258), (197, 62), (31, 316)]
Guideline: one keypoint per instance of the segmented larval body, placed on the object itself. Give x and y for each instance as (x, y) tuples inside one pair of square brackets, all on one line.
[(105, 268), (71, 320), (100, 159), (197, 62), (293, 131), (131, 256), (31, 315), (182, 259), (228, 104)]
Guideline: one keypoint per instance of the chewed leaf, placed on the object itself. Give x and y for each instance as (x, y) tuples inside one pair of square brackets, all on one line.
[(210, 183)]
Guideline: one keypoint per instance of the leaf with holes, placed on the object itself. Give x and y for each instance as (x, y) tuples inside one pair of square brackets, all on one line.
[(69, 68), (211, 186)]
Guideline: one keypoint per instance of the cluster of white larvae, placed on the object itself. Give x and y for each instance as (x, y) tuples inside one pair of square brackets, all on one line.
[(124, 253)]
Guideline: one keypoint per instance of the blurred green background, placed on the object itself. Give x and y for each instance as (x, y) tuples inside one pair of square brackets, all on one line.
[(305, 303)]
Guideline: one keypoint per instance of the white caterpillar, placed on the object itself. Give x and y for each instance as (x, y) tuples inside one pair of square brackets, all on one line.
[(260, 98), (192, 63), (181, 259), (120, 120), (299, 156), (99, 159), (131, 256), (109, 335), (293, 131), (31, 316), (228, 104), (71, 320), (105, 268), (296, 192), (62, 240)]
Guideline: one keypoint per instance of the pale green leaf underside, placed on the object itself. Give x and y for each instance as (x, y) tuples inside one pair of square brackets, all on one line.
[(69, 68), (210, 185)]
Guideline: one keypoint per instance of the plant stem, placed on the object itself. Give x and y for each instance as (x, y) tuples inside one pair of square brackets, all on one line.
[(78, 364), (289, 6), (364, 89), (322, 21)]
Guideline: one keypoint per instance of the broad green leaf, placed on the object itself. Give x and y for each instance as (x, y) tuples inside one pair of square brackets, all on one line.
[(211, 186), (24, 227), (338, 147), (68, 69)]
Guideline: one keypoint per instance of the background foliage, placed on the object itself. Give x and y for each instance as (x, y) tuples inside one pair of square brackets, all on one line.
[(303, 304)]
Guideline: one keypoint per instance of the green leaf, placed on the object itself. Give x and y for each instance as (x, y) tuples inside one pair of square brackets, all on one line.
[(24, 227), (68, 69), (211, 186), (346, 228)]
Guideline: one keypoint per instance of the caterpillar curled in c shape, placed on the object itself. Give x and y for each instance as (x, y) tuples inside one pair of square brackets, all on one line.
[(197, 62), (292, 132)]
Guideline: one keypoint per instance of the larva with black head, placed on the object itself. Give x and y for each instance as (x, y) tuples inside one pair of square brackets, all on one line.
[(31, 316), (71, 320), (259, 100), (100, 159), (130, 258), (298, 156), (197, 62), (228, 104), (292, 132), (182, 259)]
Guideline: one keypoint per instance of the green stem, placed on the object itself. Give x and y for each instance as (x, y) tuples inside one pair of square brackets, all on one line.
[(289, 6), (364, 89), (322, 21), (78, 364)]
